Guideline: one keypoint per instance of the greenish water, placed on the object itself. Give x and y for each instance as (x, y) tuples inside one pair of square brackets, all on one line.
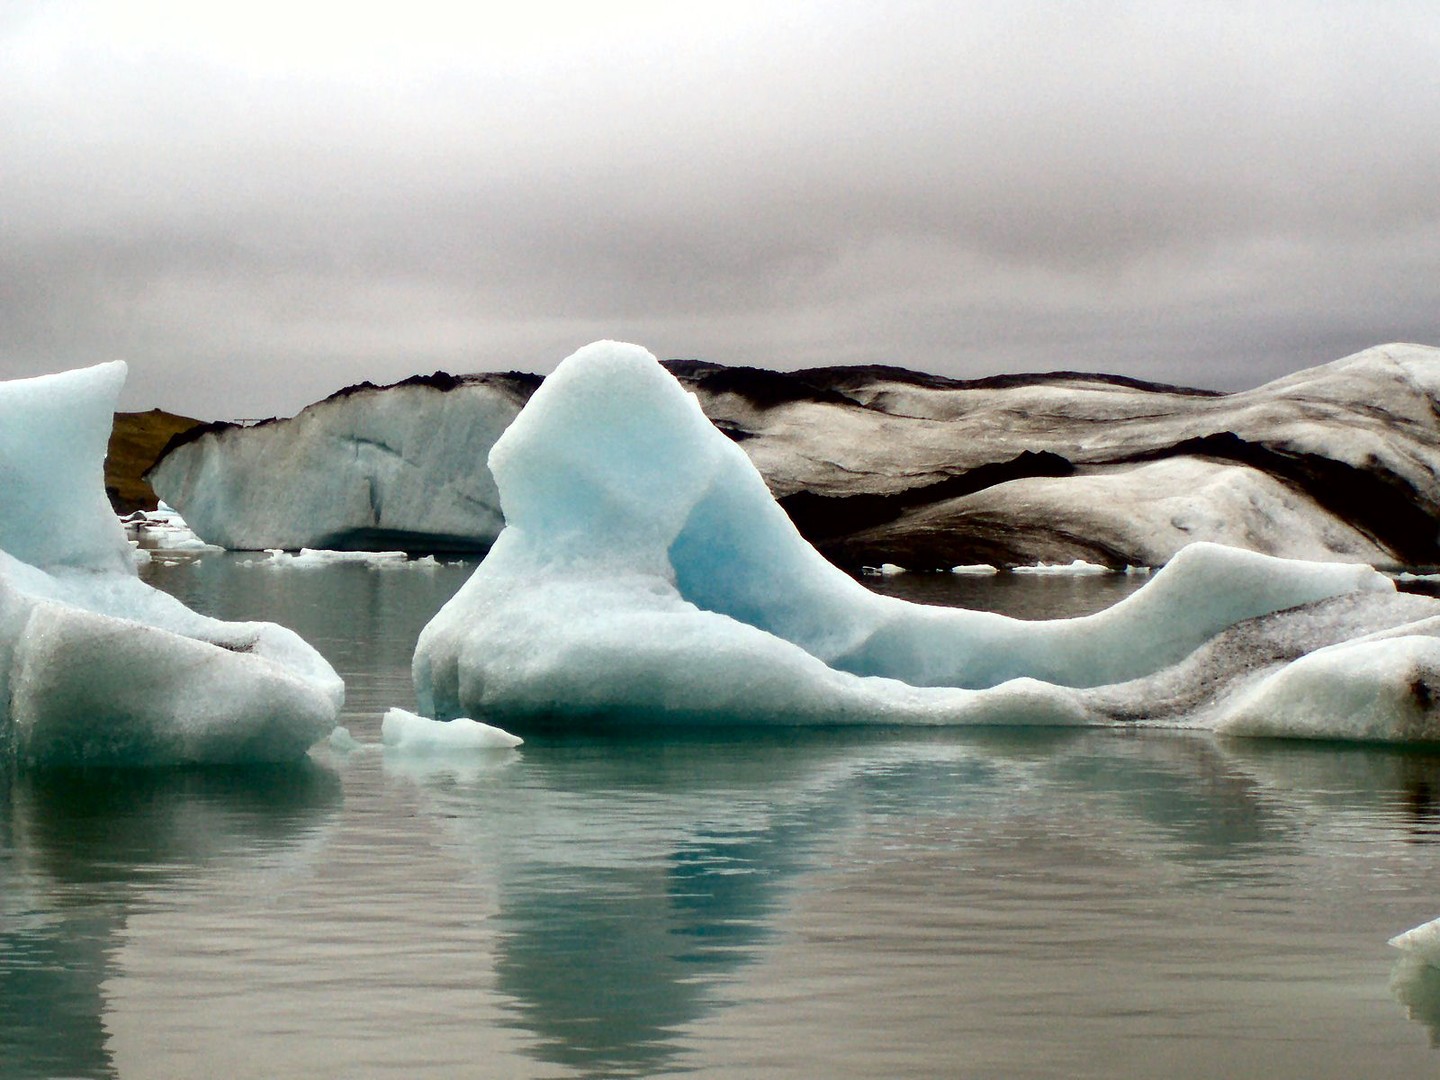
[(821, 903)]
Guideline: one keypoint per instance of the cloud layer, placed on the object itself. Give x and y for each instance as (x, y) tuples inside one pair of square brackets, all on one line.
[(258, 211)]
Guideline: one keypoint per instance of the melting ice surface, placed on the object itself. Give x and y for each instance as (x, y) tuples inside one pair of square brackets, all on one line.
[(96, 667), (645, 573)]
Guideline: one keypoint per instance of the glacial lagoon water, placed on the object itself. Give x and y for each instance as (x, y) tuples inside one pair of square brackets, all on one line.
[(735, 904)]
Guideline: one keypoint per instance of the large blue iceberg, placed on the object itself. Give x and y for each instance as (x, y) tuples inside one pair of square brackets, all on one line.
[(96, 667), (645, 574)]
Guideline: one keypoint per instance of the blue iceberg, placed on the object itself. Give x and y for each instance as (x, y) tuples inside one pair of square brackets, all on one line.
[(645, 574), (96, 667)]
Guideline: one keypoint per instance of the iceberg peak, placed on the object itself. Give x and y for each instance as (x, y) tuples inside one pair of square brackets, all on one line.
[(53, 435)]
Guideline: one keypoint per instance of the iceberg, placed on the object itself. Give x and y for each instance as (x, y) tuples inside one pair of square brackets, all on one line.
[(96, 667), (368, 468), (646, 574)]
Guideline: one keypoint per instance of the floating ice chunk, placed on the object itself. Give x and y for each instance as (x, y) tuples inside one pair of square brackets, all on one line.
[(647, 573), (180, 541), (1074, 569), (343, 742), (408, 731), (975, 570), (316, 559), (1422, 941), (95, 666), (164, 530)]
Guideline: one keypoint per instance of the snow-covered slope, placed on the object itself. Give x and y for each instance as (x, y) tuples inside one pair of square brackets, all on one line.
[(96, 667), (646, 574), (879, 465)]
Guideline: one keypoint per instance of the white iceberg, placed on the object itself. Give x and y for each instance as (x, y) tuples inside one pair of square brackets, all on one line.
[(319, 559), (366, 468), (645, 573), (1422, 941), (403, 730), (1075, 568), (95, 666)]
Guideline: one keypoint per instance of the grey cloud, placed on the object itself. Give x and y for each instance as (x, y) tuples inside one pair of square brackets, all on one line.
[(1211, 194)]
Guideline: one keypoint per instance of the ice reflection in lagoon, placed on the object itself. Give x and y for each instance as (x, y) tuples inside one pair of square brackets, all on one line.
[(1022, 903)]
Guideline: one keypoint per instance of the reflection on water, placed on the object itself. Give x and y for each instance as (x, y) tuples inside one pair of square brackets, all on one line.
[(641, 880), (846, 903), (80, 846), (1416, 985)]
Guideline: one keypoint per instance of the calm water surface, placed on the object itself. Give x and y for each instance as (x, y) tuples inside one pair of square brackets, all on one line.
[(825, 903)]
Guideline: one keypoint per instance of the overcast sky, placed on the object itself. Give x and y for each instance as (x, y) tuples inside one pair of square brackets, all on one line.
[(256, 208)]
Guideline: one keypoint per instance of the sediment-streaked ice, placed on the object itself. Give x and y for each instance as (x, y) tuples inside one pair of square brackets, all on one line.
[(95, 666), (646, 573)]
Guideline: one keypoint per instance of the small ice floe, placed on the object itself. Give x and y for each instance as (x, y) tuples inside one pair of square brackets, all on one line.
[(1406, 575), (888, 569), (341, 740), (975, 570), (1076, 568), (1422, 941), (1139, 571), (163, 529), (315, 559), (179, 540), (408, 731)]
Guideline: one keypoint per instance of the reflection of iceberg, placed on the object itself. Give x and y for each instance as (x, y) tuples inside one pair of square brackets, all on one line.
[(97, 667), (77, 855), (641, 881), (1416, 985), (645, 572)]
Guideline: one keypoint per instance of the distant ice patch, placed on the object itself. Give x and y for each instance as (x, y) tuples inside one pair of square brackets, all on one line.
[(647, 575), (1078, 568), (316, 559)]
